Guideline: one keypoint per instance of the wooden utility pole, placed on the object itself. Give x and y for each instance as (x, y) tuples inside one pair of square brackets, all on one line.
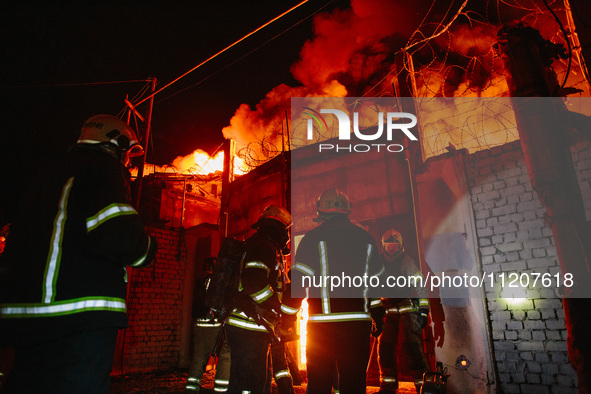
[(540, 122), (405, 89), (118, 362), (140, 172)]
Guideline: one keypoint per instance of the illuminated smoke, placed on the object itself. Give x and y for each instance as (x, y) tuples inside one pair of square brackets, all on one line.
[(347, 49), (352, 50), (351, 45)]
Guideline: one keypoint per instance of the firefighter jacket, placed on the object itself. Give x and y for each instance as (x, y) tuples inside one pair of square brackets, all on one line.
[(258, 306), (63, 270), (337, 249), (411, 298), (202, 314)]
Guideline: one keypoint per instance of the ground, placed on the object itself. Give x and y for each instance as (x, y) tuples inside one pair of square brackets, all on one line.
[(174, 382)]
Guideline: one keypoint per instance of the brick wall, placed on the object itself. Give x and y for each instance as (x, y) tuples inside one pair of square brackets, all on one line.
[(529, 337), (152, 341)]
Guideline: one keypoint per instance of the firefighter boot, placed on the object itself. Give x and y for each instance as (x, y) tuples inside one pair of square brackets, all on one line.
[(418, 385), (388, 387), (193, 386)]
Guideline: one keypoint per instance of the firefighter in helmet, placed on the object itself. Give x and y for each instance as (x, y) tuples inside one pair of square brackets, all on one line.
[(111, 136), (206, 334), (340, 319), (406, 316), (63, 283), (250, 328)]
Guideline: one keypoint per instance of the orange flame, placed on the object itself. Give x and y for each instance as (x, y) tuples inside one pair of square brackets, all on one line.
[(198, 162), (303, 331)]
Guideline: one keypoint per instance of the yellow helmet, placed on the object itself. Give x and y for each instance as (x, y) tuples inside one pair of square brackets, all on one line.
[(104, 130), (274, 214), (333, 201)]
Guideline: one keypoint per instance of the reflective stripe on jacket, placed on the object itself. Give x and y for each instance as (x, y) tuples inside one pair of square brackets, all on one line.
[(259, 284), (73, 235), (337, 246)]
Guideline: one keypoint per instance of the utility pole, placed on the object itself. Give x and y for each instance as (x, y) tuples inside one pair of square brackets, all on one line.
[(552, 174), (140, 173), (405, 89)]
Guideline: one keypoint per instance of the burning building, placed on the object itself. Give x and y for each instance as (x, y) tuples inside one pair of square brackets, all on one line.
[(469, 196)]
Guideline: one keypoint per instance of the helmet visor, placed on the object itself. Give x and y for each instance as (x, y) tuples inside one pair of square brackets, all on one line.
[(391, 248)]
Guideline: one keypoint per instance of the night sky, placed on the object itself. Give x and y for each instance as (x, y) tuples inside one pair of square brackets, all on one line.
[(54, 53), (45, 46)]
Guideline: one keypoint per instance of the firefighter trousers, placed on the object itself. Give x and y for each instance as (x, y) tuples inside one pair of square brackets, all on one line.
[(405, 325), (205, 340), (79, 363), (281, 372), (337, 345), (250, 353)]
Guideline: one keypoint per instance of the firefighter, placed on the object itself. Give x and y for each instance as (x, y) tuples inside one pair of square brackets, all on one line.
[(207, 332), (406, 317), (340, 320), (63, 281), (250, 326)]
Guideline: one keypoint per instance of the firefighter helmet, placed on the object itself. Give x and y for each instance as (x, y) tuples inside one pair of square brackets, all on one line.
[(392, 242), (110, 131), (333, 201), (274, 215)]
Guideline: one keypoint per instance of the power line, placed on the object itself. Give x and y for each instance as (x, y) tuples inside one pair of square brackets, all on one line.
[(220, 52), (248, 53), (75, 84)]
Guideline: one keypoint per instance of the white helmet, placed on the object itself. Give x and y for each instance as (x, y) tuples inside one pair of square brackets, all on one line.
[(110, 132), (392, 242)]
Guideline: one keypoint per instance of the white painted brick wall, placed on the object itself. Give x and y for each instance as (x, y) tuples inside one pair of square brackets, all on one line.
[(529, 338)]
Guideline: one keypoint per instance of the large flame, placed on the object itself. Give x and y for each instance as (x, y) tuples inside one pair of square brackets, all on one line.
[(351, 50), (352, 54), (344, 54), (198, 162)]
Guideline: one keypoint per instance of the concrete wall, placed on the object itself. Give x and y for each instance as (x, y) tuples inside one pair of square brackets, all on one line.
[(529, 337), (458, 313)]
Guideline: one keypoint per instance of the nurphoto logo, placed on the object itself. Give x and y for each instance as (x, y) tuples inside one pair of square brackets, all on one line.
[(395, 122)]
